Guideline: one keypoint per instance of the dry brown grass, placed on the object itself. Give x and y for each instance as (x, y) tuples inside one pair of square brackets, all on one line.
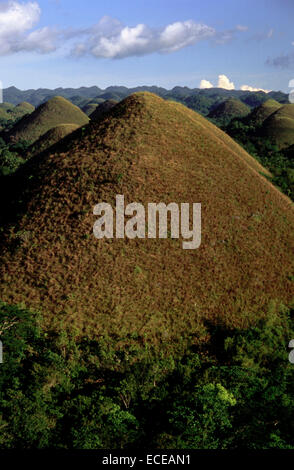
[(149, 150), (101, 109), (51, 137), (262, 112), (229, 109), (56, 111), (279, 126)]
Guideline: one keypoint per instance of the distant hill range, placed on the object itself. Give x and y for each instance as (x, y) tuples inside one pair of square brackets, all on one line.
[(199, 100)]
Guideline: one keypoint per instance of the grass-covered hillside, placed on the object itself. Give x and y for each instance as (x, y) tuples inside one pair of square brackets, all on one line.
[(101, 109), (124, 344), (147, 290), (10, 113), (279, 126), (50, 138), (262, 112), (48, 115), (227, 110), (267, 133)]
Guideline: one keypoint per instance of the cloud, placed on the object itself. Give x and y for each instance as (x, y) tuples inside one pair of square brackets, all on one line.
[(111, 39), (224, 37), (224, 82), (205, 84), (284, 61), (262, 36), (17, 17), (250, 88), (16, 21), (42, 40), (242, 28)]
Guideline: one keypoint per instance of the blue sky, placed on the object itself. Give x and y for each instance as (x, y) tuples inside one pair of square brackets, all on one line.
[(227, 43)]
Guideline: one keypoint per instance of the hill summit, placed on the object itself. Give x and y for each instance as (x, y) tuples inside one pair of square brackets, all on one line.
[(262, 112), (51, 137), (229, 109), (102, 108), (10, 112), (148, 150), (56, 111), (279, 126), (25, 106)]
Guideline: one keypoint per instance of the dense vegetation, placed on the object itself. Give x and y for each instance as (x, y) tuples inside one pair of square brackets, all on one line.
[(280, 162), (144, 345), (12, 156), (9, 113), (61, 392)]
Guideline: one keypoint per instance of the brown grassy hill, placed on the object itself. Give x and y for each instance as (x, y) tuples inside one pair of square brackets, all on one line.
[(150, 150), (262, 112), (24, 108), (51, 137), (229, 109), (10, 112), (5, 110), (89, 108), (48, 115), (102, 109), (279, 126)]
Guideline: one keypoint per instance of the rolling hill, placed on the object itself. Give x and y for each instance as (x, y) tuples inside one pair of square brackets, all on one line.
[(149, 150), (4, 110), (54, 112), (51, 137), (228, 110), (262, 112), (89, 108), (102, 109), (279, 126), (24, 108), (10, 112)]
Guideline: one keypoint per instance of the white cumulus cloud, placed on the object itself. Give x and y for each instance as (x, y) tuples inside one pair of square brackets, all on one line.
[(224, 82), (16, 22), (251, 88), (205, 84), (111, 39), (18, 17)]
